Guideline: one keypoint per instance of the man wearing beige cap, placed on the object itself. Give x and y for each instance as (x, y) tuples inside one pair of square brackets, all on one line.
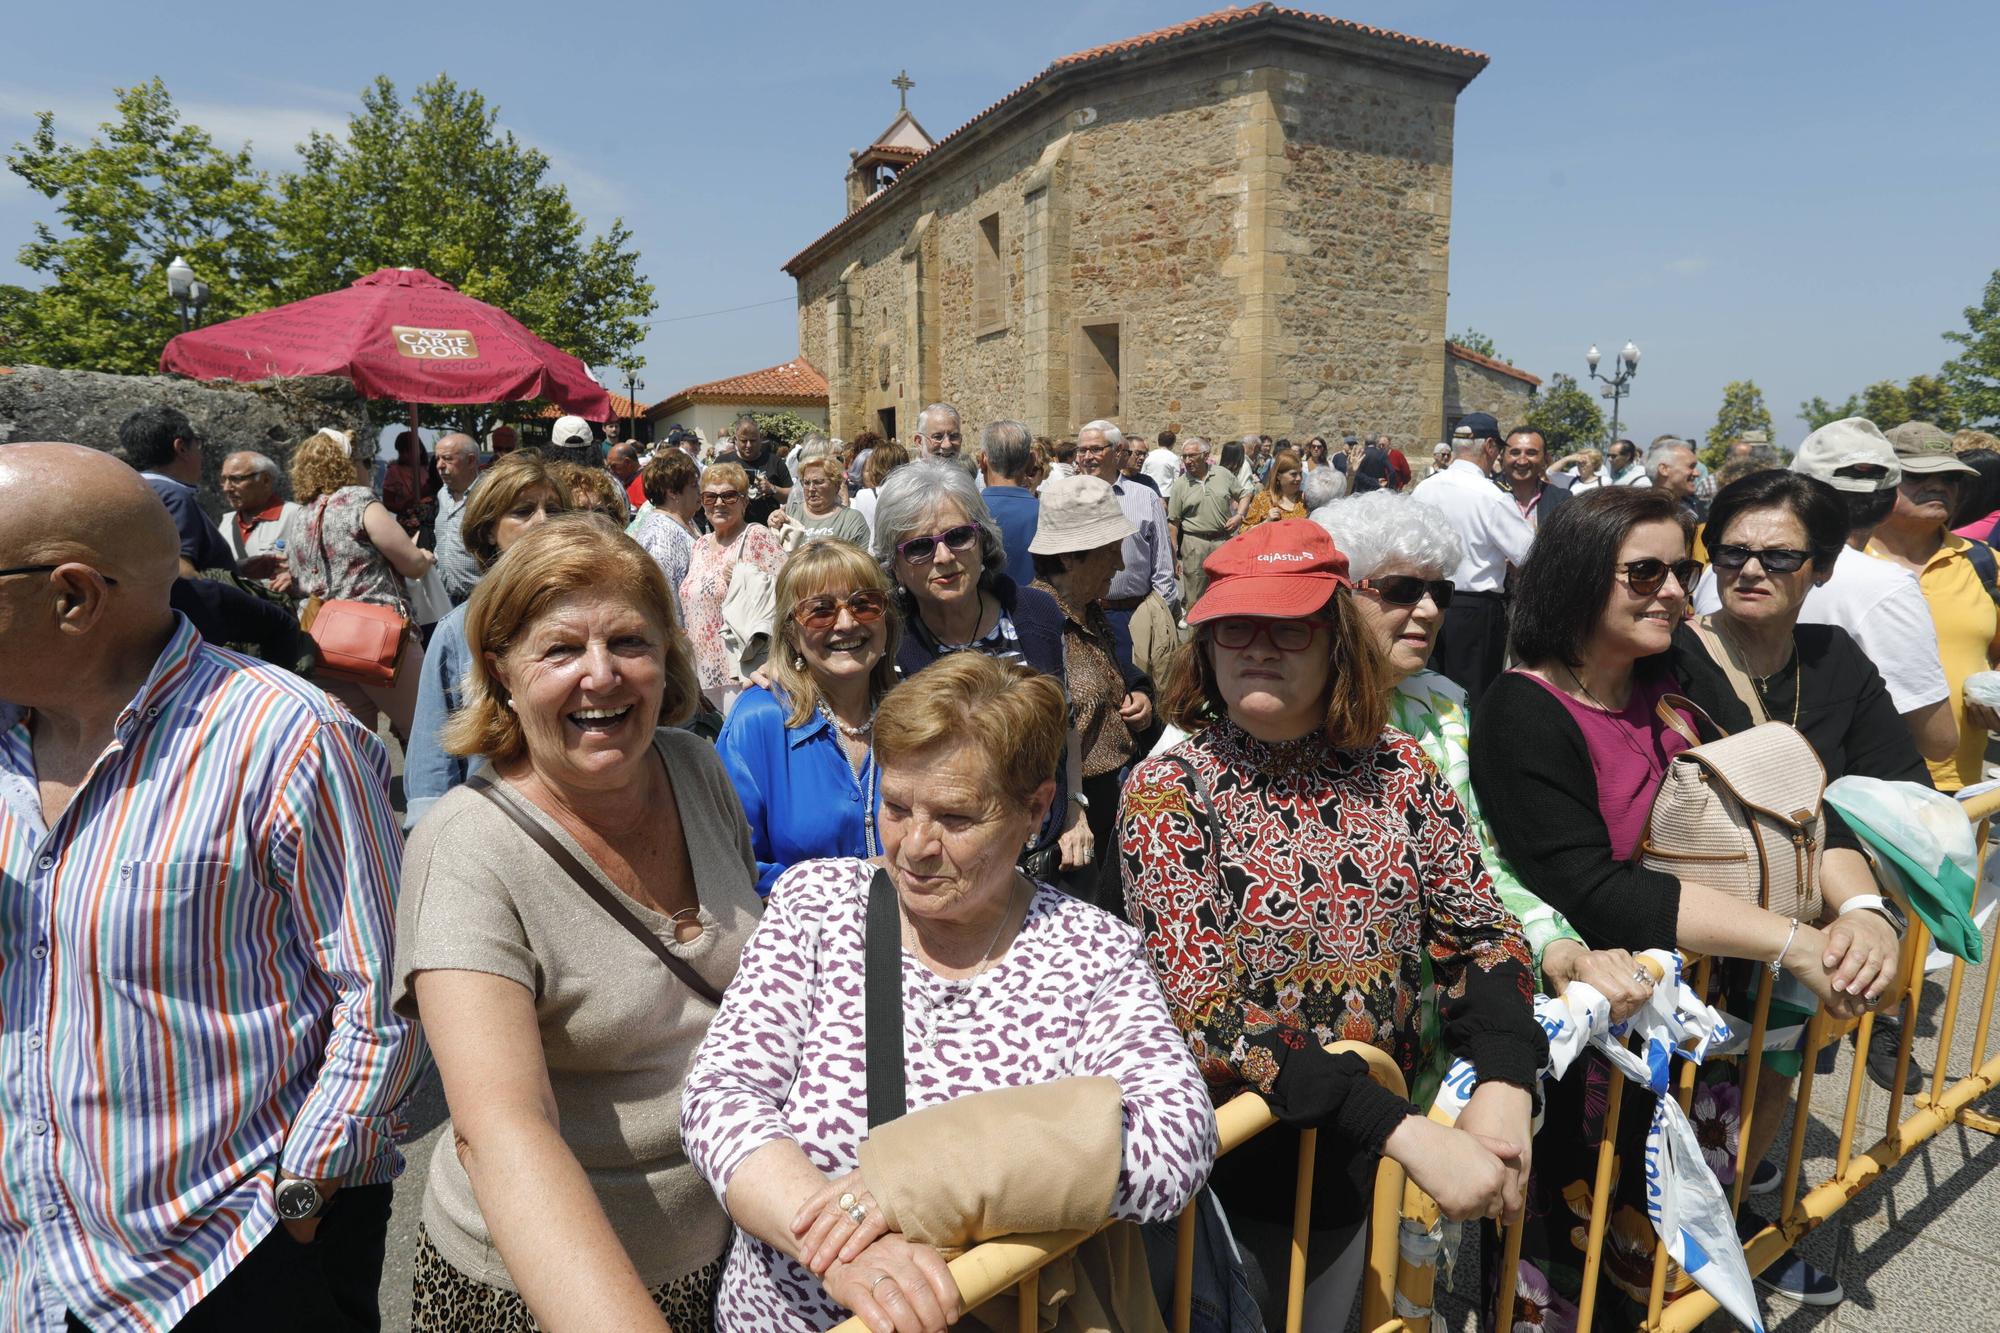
[(1916, 537)]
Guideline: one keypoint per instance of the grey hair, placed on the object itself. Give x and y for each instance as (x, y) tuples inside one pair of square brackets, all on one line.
[(1661, 449), (815, 448), (912, 491), (1250, 443), (1113, 437), (745, 420), (1188, 440), (1321, 487), (263, 463), (1380, 530), (1008, 447), (451, 435), (925, 415)]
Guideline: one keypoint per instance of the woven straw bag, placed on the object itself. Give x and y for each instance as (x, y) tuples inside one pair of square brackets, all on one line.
[(1741, 814)]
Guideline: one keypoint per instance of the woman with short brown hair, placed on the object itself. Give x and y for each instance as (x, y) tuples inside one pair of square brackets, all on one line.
[(568, 921), (512, 498), (1288, 865)]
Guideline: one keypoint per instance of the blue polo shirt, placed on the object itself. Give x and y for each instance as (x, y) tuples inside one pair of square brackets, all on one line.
[(1018, 513), (201, 542), (799, 793)]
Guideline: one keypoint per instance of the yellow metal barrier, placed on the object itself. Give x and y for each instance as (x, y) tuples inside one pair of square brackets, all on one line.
[(1014, 1262)]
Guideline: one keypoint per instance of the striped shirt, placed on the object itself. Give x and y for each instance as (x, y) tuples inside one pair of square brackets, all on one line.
[(194, 988)]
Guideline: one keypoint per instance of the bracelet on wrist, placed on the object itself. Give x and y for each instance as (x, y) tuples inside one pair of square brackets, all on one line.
[(1777, 964)]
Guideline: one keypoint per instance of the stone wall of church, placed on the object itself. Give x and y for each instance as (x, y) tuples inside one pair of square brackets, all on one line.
[(1258, 234), (1470, 387)]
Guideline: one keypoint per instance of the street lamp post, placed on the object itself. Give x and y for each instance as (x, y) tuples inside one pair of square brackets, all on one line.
[(187, 290), (1617, 384), (632, 386)]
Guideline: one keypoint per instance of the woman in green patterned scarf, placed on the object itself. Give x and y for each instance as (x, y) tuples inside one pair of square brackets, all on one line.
[(1400, 553)]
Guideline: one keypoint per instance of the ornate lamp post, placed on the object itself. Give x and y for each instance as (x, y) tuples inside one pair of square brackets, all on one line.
[(1617, 384)]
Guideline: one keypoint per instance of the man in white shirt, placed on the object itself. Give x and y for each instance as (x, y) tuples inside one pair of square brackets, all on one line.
[(257, 527), (457, 456), (1162, 464), (1623, 467), (1472, 645)]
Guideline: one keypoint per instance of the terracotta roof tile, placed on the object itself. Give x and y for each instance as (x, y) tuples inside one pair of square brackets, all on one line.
[(621, 408), (796, 381), (1467, 354), (1221, 18)]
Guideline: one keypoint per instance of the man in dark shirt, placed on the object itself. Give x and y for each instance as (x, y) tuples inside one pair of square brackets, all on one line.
[(770, 479), (162, 444)]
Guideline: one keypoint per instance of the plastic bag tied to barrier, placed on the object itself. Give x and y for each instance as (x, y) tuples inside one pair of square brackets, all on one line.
[(1687, 1205)]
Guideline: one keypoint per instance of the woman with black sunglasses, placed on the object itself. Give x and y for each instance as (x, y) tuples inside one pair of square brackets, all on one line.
[(798, 750), (1567, 754), (940, 547)]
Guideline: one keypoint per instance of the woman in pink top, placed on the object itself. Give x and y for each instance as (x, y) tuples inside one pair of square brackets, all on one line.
[(1567, 754)]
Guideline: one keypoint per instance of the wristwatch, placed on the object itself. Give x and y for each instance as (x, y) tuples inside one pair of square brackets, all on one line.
[(298, 1199), (1885, 907)]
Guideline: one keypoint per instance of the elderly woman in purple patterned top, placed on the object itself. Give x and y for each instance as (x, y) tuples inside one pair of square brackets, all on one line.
[(1005, 984)]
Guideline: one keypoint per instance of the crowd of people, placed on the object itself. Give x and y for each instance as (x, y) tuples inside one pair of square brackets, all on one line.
[(816, 857)]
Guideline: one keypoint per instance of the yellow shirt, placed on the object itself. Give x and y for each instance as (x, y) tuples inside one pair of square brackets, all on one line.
[(1968, 630)]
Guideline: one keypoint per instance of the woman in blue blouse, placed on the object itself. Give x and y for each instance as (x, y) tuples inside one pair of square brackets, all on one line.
[(799, 751)]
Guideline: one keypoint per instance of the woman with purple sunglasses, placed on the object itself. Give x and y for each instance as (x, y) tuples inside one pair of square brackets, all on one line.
[(942, 550)]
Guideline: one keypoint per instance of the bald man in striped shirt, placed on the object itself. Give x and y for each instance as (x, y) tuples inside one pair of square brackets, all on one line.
[(198, 863)]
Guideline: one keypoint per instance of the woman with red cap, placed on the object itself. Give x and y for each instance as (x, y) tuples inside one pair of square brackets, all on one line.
[(1288, 864)]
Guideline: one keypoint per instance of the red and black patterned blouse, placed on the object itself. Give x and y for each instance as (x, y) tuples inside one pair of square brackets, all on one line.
[(1340, 866)]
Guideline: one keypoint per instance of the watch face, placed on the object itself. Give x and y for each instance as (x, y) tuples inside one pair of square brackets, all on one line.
[(297, 1199)]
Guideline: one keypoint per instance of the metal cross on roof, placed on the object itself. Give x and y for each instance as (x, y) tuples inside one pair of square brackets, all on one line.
[(902, 83)]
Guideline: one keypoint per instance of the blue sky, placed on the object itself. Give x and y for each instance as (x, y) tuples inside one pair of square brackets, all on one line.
[(1802, 194)]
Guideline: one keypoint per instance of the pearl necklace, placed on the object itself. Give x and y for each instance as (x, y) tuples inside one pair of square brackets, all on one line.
[(852, 733)]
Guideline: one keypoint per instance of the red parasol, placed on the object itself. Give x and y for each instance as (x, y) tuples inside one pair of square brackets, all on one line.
[(397, 333)]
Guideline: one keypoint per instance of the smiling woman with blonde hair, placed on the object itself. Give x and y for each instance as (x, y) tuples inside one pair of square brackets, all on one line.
[(569, 919)]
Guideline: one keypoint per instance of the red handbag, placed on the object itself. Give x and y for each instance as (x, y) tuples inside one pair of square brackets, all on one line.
[(360, 642)]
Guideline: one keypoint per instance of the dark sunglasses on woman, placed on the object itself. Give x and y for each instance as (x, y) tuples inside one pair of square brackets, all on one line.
[(923, 550), (866, 605), (1286, 636), (1648, 576), (1408, 589), (1774, 559)]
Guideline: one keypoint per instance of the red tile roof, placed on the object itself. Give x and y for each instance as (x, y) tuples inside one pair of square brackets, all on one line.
[(1221, 18), (621, 408), (796, 382), (1467, 354)]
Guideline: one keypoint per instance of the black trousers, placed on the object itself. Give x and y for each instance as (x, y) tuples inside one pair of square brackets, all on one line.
[(1472, 642), (328, 1286)]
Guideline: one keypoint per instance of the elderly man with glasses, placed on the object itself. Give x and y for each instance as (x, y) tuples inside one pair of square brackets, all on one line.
[(256, 532), (940, 433)]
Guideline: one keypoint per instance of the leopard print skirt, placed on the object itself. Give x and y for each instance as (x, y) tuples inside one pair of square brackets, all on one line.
[(445, 1300)]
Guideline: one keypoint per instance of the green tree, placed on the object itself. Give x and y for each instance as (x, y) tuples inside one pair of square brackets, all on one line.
[(437, 185), (1974, 374), (1818, 412), (1566, 415), (1472, 340), (146, 189), (1742, 409), (781, 425)]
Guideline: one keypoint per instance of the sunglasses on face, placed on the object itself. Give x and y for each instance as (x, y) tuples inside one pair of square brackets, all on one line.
[(721, 497), (1648, 576), (1774, 559), (1285, 636), (923, 550), (866, 605), (1408, 590)]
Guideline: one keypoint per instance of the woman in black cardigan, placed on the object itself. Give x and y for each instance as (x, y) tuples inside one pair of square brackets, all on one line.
[(946, 556), (1566, 757)]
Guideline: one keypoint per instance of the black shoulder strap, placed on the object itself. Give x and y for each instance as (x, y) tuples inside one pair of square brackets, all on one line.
[(1216, 835), (602, 896), (1985, 566), (882, 999)]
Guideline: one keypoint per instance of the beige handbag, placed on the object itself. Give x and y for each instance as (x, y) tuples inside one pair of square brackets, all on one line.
[(1741, 814)]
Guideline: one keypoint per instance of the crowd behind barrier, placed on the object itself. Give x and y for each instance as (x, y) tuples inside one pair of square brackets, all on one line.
[(1064, 859)]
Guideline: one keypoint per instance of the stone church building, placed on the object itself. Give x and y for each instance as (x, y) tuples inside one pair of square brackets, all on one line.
[(1238, 223)]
